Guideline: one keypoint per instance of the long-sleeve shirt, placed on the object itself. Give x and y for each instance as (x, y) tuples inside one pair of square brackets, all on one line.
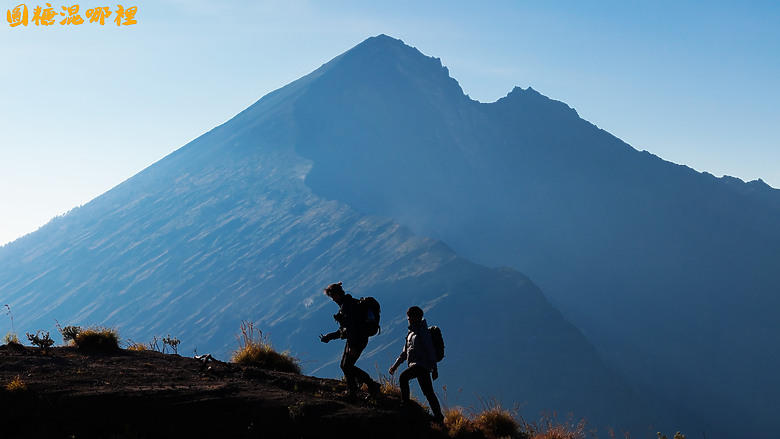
[(348, 317), (418, 347)]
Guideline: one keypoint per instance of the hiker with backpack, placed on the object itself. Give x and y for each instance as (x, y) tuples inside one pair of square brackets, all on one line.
[(420, 354), (353, 327)]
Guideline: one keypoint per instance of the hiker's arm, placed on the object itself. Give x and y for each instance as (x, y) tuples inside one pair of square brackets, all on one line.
[(400, 360), (328, 337), (397, 363)]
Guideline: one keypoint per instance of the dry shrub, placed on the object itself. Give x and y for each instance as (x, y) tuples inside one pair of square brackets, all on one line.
[(97, 339), (16, 385), (255, 350), (41, 339)]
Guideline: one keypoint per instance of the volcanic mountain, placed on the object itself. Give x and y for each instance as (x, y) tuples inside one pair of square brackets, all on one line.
[(233, 227), (378, 171)]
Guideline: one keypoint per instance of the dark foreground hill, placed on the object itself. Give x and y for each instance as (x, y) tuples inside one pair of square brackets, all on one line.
[(147, 394)]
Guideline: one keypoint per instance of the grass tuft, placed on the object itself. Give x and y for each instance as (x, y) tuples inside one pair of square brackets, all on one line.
[(459, 425), (550, 428), (388, 385), (11, 338), (16, 385), (495, 422), (254, 349), (134, 346)]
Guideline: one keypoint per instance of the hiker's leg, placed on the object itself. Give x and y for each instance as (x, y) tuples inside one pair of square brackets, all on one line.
[(426, 385), (348, 366), (355, 349), (403, 382), (353, 374)]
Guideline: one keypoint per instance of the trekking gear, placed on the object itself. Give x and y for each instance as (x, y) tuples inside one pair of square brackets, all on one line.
[(369, 309), (438, 342)]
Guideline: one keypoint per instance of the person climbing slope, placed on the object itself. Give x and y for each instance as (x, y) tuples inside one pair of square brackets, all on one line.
[(350, 328), (420, 355)]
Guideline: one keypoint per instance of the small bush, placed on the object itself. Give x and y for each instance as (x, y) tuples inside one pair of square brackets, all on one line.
[(255, 350), (16, 385), (173, 342), (69, 333), (41, 339), (97, 338)]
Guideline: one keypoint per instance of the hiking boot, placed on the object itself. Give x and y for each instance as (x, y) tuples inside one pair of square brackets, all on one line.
[(347, 396), (374, 389), (438, 419)]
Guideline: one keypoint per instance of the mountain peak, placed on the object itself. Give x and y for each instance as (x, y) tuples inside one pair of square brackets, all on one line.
[(392, 62), (523, 97), (383, 39)]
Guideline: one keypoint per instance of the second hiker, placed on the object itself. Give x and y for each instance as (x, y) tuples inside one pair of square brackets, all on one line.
[(350, 328), (420, 354)]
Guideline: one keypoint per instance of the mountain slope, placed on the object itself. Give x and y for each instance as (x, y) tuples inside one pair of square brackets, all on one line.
[(671, 273), (227, 228)]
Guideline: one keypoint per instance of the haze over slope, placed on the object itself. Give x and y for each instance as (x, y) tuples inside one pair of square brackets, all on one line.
[(671, 273), (231, 227)]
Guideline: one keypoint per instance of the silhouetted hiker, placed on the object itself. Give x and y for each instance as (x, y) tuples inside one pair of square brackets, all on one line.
[(351, 329), (421, 357)]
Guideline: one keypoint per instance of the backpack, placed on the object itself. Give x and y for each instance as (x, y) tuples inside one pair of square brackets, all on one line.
[(438, 342), (369, 309)]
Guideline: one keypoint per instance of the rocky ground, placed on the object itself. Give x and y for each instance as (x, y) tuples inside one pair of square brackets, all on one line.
[(69, 393)]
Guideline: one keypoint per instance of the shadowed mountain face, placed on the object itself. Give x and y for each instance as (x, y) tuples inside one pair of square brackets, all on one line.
[(228, 228), (671, 273)]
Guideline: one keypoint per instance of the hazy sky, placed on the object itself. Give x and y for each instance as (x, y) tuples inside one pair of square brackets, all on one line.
[(85, 107)]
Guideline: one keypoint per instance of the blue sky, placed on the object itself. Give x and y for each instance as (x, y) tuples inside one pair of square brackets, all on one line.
[(85, 107)]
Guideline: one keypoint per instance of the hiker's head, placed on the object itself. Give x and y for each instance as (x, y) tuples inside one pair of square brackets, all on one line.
[(414, 314), (335, 292)]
